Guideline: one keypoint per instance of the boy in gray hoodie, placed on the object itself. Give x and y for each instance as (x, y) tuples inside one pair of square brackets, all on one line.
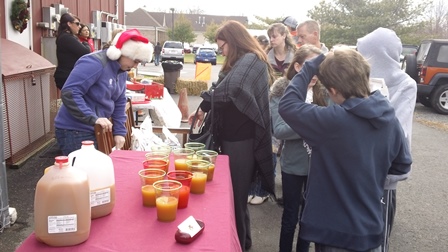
[(382, 49)]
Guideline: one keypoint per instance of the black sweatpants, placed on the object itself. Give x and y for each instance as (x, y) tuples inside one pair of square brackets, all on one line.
[(242, 168)]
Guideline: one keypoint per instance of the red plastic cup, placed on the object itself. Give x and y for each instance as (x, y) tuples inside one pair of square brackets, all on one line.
[(156, 163), (184, 177)]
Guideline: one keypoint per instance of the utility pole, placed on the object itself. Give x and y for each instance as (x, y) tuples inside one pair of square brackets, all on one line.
[(172, 20)]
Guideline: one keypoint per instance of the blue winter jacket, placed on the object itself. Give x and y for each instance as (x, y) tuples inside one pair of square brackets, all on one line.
[(95, 88), (355, 146)]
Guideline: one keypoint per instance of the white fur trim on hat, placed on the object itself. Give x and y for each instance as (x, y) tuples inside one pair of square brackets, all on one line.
[(137, 50), (113, 52)]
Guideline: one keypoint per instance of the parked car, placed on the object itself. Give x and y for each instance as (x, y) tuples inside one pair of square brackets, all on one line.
[(204, 48), (206, 55), (195, 47), (187, 48), (172, 50), (429, 68), (408, 49)]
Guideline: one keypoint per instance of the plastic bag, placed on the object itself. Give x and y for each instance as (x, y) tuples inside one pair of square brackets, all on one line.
[(143, 138)]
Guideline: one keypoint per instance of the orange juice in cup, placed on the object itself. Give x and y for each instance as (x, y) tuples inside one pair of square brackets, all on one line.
[(167, 199), (199, 168), (147, 178), (181, 155), (210, 156), (166, 208), (156, 163), (148, 196), (157, 157)]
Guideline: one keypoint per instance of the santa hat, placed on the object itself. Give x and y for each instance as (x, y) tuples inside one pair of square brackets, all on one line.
[(131, 44)]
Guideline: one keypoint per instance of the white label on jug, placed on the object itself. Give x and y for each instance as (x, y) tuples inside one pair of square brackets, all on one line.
[(100, 197), (62, 224)]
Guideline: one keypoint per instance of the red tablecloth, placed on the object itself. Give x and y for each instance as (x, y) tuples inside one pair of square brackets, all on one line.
[(132, 227)]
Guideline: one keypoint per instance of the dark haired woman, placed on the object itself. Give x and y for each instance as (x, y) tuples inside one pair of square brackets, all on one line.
[(68, 48), (84, 35), (241, 111)]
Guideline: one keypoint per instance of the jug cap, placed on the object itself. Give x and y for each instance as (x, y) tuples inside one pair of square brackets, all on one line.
[(60, 160), (87, 142)]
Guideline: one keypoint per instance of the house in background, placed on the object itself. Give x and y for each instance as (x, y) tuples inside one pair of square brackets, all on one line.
[(155, 25)]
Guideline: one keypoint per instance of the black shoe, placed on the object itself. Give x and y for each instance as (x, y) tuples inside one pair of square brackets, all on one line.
[(280, 202)]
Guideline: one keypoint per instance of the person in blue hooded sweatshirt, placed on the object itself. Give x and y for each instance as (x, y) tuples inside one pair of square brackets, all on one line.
[(356, 144), (95, 92), (382, 49)]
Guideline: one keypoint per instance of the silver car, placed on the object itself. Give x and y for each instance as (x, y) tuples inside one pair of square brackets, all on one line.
[(172, 50)]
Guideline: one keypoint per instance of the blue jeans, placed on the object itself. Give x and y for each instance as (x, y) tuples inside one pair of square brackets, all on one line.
[(293, 187), (255, 187), (71, 140), (156, 59)]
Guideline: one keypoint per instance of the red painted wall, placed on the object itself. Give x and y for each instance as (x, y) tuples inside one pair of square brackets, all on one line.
[(81, 8)]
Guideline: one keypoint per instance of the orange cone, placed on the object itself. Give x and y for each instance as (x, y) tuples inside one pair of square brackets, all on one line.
[(183, 104)]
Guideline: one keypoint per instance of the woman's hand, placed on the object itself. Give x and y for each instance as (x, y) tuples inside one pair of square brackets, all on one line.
[(198, 120), (105, 124), (119, 142)]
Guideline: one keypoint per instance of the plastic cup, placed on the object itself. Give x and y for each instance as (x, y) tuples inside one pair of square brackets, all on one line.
[(181, 155), (199, 168), (210, 156), (156, 163), (147, 179), (167, 198), (184, 177), (157, 154), (161, 148), (194, 146)]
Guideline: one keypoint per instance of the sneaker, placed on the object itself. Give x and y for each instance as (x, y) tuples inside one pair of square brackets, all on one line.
[(257, 200), (249, 198)]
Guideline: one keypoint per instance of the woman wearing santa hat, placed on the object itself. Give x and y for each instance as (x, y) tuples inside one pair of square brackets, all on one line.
[(95, 91)]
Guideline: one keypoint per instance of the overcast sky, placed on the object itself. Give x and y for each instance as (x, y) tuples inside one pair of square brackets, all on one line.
[(273, 9)]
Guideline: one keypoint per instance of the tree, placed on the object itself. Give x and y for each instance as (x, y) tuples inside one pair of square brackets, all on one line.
[(210, 32), (263, 23), (183, 30), (196, 11), (437, 26), (344, 21)]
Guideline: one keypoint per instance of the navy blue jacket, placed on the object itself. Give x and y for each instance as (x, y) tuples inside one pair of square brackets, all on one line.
[(355, 146)]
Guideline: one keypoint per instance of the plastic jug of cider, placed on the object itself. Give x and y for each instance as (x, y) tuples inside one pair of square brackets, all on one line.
[(62, 205), (100, 171)]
